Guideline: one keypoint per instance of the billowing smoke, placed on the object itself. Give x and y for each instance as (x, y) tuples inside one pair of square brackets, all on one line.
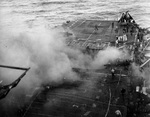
[(136, 70), (143, 73), (44, 51), (110, 54), (50, 59)]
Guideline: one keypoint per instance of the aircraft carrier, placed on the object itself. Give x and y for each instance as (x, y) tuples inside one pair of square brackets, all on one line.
[(112, 91)]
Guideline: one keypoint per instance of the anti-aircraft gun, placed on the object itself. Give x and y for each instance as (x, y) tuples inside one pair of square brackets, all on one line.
[(4, 89)]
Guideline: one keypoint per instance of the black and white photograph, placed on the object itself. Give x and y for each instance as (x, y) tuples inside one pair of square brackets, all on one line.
[(74, 58)]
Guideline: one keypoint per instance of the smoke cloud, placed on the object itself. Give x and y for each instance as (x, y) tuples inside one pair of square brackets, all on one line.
[(42, 50), (48, 56), (50, 59), (110, 54)]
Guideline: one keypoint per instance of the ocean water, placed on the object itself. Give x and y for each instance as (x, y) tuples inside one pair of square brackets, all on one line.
[(24, 15)]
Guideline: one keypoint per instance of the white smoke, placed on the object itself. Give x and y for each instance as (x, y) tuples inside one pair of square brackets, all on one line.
[(44, 51), (107, 55)]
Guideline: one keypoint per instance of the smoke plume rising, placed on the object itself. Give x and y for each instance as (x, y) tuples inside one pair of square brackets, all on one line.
[(50, 59), (110, 54), (44, 51)]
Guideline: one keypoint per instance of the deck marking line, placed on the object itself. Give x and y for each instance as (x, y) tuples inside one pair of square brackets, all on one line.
[(108, 103)]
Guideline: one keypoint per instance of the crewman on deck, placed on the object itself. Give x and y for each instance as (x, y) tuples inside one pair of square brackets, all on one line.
[(113, 73), (112, 24), (117, 41), (123, 91), (88, 50), (124, 37), (96, 27), (118, 113)]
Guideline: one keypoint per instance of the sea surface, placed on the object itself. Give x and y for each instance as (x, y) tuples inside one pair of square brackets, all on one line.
[(23, 15)]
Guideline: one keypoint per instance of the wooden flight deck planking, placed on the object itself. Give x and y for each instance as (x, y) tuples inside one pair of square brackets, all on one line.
[(76, 101), (85, 29)]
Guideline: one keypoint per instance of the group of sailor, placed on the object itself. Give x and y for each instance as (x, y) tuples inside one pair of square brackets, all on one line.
[(126, 18), (121, 38)]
